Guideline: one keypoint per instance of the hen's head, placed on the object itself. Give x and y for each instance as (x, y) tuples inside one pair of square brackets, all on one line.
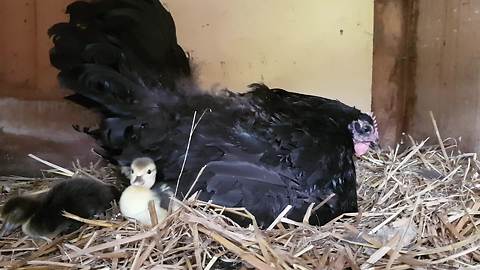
[(364, 132)]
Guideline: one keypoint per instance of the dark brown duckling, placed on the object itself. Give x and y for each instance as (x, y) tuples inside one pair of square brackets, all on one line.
[(41, 214)]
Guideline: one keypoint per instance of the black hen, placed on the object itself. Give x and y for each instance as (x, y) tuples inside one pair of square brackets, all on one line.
[(264, 149)]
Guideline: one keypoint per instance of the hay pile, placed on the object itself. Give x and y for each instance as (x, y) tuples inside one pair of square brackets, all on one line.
[(419, 209)]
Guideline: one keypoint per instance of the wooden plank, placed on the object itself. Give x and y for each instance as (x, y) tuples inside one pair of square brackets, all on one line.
[(26, 71), (17, 49), (393, 66), (448, 71)]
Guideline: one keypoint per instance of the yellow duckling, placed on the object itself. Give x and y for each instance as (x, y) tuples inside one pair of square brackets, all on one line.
[(135, 198)]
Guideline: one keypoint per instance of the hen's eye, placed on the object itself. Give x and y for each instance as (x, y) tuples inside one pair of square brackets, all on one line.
[(132, 171), (149, 171)]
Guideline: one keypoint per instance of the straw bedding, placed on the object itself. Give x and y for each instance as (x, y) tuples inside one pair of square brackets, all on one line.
[(419, 210)]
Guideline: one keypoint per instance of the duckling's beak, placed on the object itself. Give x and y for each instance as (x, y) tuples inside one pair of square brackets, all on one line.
[(138, 181)]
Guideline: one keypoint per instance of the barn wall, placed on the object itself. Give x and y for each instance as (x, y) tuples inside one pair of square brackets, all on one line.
[(320, 47), (317, 47), (25, 70), (34, 118), (393, 66), (448, 70)]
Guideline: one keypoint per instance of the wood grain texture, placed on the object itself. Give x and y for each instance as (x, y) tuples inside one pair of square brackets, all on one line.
[(447, 74), (393, 66)]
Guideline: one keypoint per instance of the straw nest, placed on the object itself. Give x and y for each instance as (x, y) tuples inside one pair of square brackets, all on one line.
[(419, 210)]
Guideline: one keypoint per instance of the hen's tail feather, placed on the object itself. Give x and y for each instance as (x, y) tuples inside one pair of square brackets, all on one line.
[(111, 52)]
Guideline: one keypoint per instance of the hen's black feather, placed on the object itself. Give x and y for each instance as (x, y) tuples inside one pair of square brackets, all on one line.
[(112, 49), (264, 149)]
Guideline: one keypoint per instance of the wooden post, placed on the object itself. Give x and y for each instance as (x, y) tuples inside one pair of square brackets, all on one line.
[(393, 66)]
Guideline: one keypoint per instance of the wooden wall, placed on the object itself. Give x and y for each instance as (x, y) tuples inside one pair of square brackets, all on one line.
[(25, 69), (393, 66), (427, 58), (448, 70), (319, 47), (34, 118)]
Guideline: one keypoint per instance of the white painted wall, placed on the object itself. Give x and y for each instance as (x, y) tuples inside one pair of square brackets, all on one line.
[(295, 45)]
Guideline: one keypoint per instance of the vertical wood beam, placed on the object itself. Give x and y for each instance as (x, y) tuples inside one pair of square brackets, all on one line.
[(394, 63)]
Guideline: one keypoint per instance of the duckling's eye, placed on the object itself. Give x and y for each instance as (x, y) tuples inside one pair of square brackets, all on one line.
[(132, 171), (149, 171)]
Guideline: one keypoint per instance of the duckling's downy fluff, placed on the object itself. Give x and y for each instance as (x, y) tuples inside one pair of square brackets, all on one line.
[(135, 198), (40, 214)]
